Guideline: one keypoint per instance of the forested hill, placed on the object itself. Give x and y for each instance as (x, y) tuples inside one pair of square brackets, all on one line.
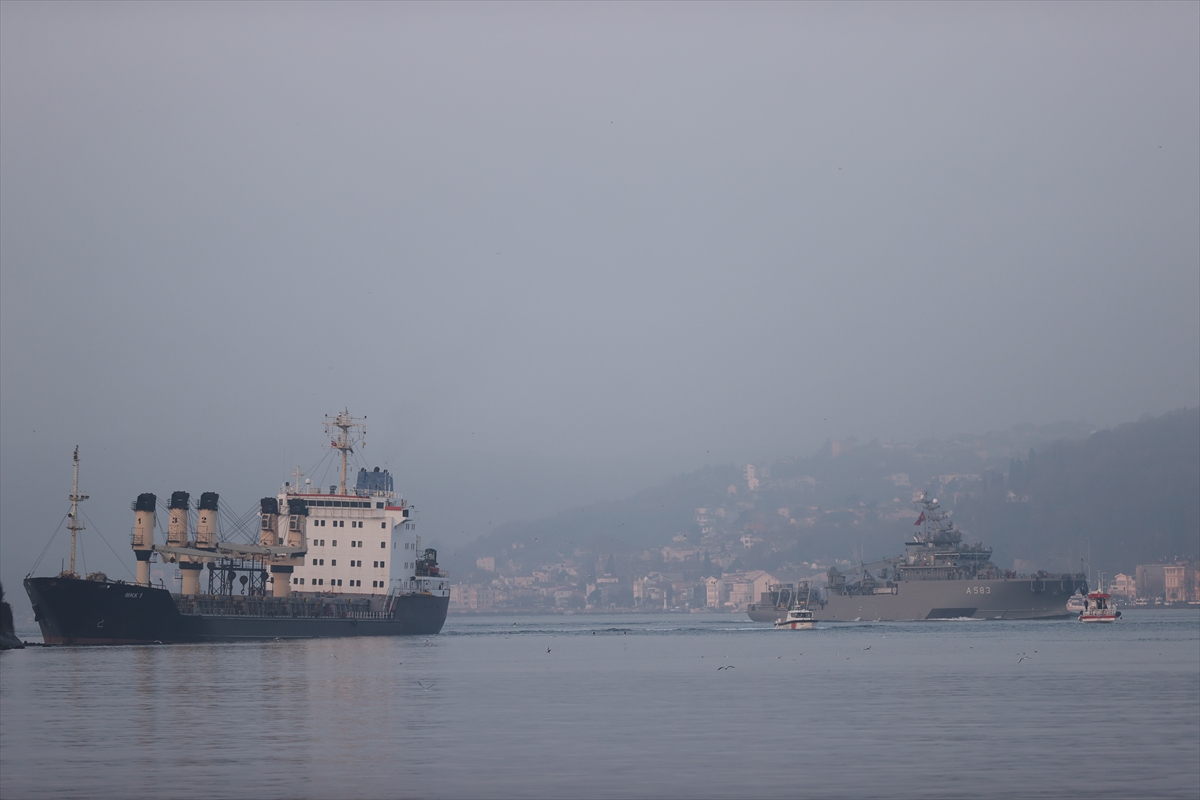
[(1041, 497), (1131, 493)]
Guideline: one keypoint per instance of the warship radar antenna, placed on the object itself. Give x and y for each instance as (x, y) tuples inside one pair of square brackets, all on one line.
[(343, 440), (75, 526)]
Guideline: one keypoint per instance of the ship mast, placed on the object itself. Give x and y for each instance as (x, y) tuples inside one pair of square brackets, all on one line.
[(75, 525), (344, 423)]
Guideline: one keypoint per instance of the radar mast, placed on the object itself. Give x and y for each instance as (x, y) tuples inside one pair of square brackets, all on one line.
[(343, 423)]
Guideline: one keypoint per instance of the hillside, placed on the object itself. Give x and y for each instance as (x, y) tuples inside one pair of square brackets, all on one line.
[(1131, 493), (1040, 496)]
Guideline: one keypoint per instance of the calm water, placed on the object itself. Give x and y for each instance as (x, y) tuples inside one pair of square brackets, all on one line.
[(620, 706)]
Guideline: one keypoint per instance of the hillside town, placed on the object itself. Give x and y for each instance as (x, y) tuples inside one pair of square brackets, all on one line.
[(685, 588), (1049, 499), (708, 566)]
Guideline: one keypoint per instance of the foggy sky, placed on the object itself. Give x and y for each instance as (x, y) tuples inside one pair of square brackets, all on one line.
[(556, 252)]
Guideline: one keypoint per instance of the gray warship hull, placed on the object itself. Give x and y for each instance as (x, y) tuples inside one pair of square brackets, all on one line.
[(1002, 598), (766, 613)]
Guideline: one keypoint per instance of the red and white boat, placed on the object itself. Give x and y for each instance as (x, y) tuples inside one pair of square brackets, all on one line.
[(1097, 609), (797, 619)]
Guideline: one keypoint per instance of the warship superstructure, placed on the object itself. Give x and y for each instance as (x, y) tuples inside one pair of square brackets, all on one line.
[(941, 577), (343, 563)]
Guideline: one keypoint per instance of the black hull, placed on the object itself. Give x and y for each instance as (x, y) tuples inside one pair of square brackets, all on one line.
[(79, 612)]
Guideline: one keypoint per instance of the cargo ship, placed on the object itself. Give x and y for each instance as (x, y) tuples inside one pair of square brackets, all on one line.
[(938, 577), (347, 562)]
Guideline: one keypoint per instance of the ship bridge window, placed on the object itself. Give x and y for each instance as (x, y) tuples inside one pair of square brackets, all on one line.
[(383, 525), (379, 505), (383, 545)]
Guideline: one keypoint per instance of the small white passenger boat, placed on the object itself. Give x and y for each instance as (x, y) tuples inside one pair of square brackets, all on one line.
[(1077, 603), (797, 619)]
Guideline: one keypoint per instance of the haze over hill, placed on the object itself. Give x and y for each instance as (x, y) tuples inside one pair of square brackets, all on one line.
[(1042, 497), (556, 251)]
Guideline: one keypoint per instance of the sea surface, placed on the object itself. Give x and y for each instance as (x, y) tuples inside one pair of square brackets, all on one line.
[(689, 706)]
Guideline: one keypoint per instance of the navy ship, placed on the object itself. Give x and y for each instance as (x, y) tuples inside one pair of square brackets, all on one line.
[(774, 603), (938, 577), (343, 563)]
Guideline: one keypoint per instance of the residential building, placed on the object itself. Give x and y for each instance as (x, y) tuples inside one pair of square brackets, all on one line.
[(1150, 580), (712, 588), (741, 589), (1123, 586)]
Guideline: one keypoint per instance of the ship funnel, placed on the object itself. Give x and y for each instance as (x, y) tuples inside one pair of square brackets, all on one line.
[(206, 522), (268, 532), (177, 527), (143, 534), (281, 573), (297, 523)]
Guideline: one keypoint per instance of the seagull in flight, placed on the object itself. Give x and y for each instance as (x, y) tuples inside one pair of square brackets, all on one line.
[(426, 688), (728, 667)]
